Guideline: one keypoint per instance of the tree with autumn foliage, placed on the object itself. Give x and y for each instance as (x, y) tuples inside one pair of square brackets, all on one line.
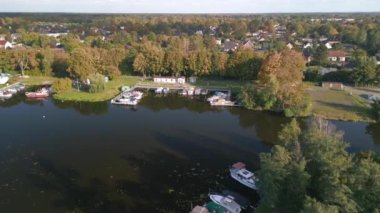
[(280, 78)]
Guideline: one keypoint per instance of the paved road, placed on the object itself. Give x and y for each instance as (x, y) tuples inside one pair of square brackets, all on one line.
[(364, 93)]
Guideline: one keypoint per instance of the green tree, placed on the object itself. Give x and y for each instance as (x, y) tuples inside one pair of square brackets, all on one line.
[(81, 63)]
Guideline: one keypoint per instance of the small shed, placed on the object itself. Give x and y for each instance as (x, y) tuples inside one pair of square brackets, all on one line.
[(181, 80), (333, 85), (193, 79)]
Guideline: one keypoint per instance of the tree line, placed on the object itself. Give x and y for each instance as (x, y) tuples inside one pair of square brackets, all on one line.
[(311, 171)]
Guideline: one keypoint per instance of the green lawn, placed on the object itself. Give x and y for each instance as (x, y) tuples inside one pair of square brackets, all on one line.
[(234, 85), (339, 105), (34, 80), (112, 89)]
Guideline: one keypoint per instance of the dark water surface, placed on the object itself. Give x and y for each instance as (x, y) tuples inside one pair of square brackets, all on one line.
[(163, 156)]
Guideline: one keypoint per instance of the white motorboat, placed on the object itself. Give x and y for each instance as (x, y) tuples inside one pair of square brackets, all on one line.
[(159, 90), (227, 202), (137, 95), (5, 95), (182, 92), (4, 79), (245, 177), (190, 91), (222, 102), (166, 90), (124, 101), (217, 96)]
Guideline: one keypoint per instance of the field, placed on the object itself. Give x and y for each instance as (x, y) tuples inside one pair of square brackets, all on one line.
[(339, 105)]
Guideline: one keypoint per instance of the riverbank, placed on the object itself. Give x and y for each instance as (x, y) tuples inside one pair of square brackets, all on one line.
[(339, 105)]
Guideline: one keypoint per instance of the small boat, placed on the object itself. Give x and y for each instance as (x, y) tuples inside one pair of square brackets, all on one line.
[(137, 95), (245, 177), (221, 102), (239, 199), (217, 96), (159, 90), (166, 90), (227, 202), (4, 79), (12, 90), (197, 91), (125, 101), (5, 95), (183, 92), (190, 91), (204, 92), (42, 93)]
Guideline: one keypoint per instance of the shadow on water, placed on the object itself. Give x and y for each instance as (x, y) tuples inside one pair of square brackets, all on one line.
[(84, 108), (73, 196), (175, 102), (186, 171)]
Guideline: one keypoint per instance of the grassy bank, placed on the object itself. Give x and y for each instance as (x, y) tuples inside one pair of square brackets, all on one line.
[(339, 105), (234, 85), (111, 90)]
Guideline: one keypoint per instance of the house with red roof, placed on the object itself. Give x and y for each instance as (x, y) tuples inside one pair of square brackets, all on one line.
[(5, 45), (337, 56)]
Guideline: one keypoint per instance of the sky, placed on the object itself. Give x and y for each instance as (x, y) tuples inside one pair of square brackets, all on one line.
[(189, 6)]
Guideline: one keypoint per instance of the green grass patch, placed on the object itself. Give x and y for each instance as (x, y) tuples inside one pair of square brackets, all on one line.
[(112, 88), (339, 105), (234, 85)]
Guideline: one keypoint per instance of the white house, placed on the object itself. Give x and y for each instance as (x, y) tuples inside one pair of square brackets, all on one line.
[(290, 46), (308, 45), (169, 80), (328, 46), (5, 45)]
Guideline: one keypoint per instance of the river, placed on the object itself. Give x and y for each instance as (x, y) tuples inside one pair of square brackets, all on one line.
[(164, 155)]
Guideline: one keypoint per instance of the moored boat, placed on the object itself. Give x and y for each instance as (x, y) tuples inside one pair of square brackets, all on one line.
[(159, 90), (221, 102), (5, 95), (227, 202), (242, 175), (3, 79), (124, 101), (42, 93)]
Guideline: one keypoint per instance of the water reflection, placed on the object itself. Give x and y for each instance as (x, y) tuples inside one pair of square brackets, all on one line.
[(84, 108)]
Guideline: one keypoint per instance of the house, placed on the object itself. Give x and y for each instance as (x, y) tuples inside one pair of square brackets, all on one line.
[(218, 42), (308, 45), (290, 46), (230, 46), (337, 56), (333, 85), (169, 80), (199, 32), (248, 45), (5, 45), (328, 46)]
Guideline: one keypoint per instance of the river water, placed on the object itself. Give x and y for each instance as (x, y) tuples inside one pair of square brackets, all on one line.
[(164, 155)]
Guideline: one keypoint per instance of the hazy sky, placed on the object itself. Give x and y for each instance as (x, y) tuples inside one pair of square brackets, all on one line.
[(189, 6)]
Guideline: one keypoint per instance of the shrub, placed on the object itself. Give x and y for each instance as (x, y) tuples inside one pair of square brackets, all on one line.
[(97, 83), (62, 85), (112, 72)]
